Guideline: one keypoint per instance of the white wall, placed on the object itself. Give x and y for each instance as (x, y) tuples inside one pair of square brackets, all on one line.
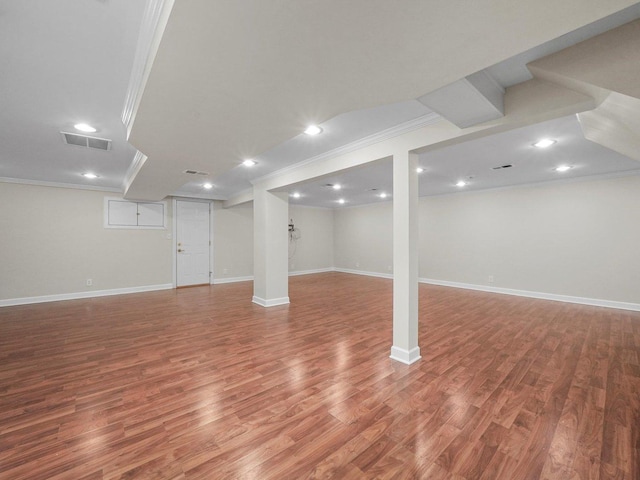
[(314, 249), (577, 239), (232, 241), (363, 238), (53, 240)]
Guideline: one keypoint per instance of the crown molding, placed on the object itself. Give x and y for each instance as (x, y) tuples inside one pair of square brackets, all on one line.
[(387, 134), (41, 183), (154, 22), (134, 168)]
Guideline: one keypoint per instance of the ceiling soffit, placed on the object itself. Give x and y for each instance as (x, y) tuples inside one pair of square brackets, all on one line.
[(233, 79)]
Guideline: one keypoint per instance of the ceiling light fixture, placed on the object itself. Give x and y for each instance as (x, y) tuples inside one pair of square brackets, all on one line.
[(563, 168), (208, 186), (249, 163), (295, 195), (313, 130), (83, 127), (341, 201), (383, 195), (336, 186), (90, 175), (544, 143), (461, 183), (419, 169)]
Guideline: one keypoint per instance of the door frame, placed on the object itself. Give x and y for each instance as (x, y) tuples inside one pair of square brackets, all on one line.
[(174, 236)]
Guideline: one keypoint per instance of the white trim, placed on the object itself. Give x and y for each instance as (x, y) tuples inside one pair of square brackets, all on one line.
[(387, 134), (79, 295), (42, 183), (540, 184), (154, 22), (136, 164), (530, 294), (198, 196), (362, 272), (405, 356), (219, 281), (310, 272), (271, 302)]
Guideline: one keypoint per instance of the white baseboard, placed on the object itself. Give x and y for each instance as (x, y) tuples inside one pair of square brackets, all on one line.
[(596, 302), (217, 281), (310, 272), (362, 272), (530, 294), (78, 295), (273, 302), (405, 356)]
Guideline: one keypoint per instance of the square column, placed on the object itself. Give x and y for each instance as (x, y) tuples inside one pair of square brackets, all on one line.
[(270, 248), (405, 347)]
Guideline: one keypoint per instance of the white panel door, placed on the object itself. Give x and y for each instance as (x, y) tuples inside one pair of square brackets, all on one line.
[(192, 238)]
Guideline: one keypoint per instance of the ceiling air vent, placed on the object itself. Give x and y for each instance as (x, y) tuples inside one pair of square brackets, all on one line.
[(196, 172), (85, 141)]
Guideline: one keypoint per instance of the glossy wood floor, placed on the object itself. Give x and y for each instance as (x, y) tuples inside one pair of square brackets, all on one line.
[(201, 384)]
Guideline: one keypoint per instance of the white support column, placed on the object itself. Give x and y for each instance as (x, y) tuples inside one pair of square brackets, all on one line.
[(405, 347), (270, 248)]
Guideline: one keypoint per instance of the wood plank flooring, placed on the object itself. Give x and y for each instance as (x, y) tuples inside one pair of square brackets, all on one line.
[(200, 383)]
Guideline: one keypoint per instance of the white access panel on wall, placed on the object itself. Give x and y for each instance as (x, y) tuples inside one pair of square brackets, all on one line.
[(150, 214), (192, 239), (120, 213)]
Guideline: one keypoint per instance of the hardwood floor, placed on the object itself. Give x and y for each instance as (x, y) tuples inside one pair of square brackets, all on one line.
[(200, 383)]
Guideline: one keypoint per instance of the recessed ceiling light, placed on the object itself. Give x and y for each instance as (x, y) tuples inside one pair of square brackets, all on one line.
[(83, 127), (342, 200), (313, 130), (563, 168), (336, 186), (419, 169), (295, 195), (89, 175), (461, 183), (544, 143), (383, 195), (208, 186), (249, 163)]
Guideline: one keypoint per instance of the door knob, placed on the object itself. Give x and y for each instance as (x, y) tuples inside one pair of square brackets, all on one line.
[(180, 250)]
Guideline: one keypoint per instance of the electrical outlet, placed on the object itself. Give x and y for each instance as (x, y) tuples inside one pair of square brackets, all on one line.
[(389, 267), (491, 279), (89, 282), (225, 271), (357, 264)]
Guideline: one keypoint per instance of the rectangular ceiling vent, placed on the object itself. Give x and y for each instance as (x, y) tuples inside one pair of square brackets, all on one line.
[(85, 141), (195, 172)]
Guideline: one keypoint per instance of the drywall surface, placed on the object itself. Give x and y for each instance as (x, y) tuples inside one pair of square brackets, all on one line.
[(578, 239), (53, 241), (363, 238), (575, 239), (232, 242), (313, 250)]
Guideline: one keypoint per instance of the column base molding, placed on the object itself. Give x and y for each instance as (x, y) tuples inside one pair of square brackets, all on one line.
[(272, 302), (405, 356)]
